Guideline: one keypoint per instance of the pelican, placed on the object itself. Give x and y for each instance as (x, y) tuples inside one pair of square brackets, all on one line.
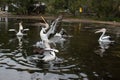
[(45, 54), (43, 33), (52, 27), (48, 55), (45, 41), (103, 38), (58, 37), (20, 31)]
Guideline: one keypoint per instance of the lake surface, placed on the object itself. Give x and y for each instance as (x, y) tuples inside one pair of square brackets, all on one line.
[(80, 57)]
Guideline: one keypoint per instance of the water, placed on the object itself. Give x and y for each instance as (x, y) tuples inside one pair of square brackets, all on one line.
[(80, 57)]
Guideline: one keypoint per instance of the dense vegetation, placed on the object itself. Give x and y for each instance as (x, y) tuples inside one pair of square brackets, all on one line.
[(100, 8)]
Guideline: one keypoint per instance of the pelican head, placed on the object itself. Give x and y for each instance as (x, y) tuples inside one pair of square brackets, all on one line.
[(101, 30)]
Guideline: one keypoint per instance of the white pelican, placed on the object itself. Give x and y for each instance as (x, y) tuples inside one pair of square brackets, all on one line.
[(48, 55), (58, 37), (43, 32), (20, 31), (44, 54), (103, 38), (52, 27)]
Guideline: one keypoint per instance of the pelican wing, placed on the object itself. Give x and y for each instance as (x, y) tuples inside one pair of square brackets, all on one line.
[(12, 30), (49, 56), (105, 37), (25, 30)]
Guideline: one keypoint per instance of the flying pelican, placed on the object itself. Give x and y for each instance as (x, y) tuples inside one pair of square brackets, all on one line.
[(103, 38)]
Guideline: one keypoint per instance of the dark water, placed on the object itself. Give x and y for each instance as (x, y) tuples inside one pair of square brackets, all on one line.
[(80, 57)]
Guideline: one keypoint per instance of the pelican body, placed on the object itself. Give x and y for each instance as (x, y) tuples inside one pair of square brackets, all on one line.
[(43, 35), (19, 33)]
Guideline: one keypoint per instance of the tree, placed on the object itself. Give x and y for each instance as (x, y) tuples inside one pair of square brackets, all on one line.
[(106, 8)]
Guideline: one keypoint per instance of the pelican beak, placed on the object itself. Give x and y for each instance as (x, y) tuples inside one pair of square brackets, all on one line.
[(97, 31), (101, 30)]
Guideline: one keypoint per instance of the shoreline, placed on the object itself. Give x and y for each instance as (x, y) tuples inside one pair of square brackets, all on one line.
[(71, 20)]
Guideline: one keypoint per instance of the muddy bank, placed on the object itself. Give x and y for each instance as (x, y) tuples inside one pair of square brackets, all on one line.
[(71, 20)]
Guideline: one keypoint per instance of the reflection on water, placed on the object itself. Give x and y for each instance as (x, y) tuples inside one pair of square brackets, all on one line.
[(103, 46), (77, 58)]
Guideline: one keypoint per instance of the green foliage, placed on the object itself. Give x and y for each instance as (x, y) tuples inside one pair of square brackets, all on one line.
[(106, 8), (102, 8)]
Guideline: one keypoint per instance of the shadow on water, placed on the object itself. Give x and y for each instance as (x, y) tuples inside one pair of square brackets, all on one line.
[(80, 57)]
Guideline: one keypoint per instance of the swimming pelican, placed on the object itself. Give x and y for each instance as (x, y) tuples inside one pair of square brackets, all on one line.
[(43, 32), (21, 30), (45, 35), (58, 37), (45, 54), (103, 38), (48, 55)]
